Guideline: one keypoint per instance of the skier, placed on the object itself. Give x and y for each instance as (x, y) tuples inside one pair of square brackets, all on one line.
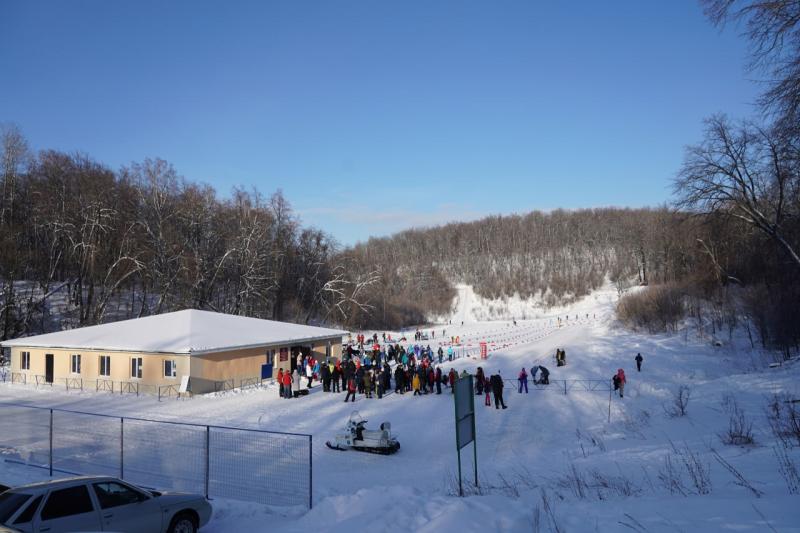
[(452, 378), (534, 370), (621, 379), (639, 360), (523, 380), (449, 353), (487, 386), (441, 354), (497, 389), (438, 379)]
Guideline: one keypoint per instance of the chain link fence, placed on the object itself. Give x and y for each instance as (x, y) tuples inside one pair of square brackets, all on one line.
[(266, 467)]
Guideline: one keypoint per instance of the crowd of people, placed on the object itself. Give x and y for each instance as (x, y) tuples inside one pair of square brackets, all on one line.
[(369, 373)]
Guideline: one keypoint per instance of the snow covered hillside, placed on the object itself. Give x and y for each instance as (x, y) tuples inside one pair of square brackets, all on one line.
[(550, 462)]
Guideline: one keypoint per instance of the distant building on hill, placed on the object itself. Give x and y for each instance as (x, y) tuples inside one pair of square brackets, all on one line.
[(214, 350)]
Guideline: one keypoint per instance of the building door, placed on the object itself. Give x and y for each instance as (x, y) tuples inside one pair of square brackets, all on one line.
[(305, 350), (48, 367)]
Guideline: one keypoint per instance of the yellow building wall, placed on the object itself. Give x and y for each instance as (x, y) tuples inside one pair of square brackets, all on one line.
[(152, 366)]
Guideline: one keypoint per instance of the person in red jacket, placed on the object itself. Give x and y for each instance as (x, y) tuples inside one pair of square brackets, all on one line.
[(621, 381), (452, 379), (287, 384), (351, 389), (280, 382)]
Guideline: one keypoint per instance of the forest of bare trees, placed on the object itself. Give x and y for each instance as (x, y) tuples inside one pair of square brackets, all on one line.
[(85, 244)]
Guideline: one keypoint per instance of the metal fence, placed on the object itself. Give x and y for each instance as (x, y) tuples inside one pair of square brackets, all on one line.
[(565, 385), (127, 387), (266, 467)]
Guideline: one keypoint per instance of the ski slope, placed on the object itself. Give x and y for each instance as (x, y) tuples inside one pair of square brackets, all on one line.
[(536, 447)]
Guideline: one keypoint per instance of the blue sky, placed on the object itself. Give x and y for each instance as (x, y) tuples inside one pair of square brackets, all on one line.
[(374, 116)]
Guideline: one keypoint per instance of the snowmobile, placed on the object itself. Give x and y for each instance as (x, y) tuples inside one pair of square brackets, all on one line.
[(364, 440)]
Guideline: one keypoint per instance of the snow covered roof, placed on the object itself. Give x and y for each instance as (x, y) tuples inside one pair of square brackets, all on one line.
[(186, 332)]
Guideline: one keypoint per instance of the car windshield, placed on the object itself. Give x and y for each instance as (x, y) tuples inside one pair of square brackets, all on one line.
[(10, 502)]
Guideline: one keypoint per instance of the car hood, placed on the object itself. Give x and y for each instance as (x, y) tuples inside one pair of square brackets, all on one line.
[(173, 498)]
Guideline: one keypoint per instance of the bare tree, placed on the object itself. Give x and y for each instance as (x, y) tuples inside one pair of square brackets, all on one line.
[(773, 29), (745, 172)]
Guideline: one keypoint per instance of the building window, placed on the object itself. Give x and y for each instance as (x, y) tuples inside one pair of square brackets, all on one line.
[(270, 357), (136, 367), (76, 363), (25, 361), (169, 369), (105, 365)]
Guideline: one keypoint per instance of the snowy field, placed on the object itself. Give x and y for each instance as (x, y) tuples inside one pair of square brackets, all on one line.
[(550, 462)]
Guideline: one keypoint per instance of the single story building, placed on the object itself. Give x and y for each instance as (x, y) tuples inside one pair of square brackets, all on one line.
[(214, 350)]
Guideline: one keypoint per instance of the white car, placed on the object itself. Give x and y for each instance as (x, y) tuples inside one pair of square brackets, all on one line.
[(100, 503)]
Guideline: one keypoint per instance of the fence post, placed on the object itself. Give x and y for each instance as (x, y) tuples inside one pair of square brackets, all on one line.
[(208, 461), (610, 392), (51, 443), (565, 387), (122, 448), (310, 472)]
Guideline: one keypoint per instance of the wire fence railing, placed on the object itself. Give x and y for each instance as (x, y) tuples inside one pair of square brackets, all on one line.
[(266, 467)]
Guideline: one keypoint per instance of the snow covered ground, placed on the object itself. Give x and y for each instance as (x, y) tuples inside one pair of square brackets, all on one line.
[(551, 460)]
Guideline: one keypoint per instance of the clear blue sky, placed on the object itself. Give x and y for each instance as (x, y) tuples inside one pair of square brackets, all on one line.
[(374, 116)]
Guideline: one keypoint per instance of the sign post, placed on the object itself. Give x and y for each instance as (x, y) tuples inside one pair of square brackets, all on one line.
[(484, 350), (464, 398)]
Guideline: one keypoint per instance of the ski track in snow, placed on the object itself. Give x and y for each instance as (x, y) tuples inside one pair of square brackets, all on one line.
[(542, 433)]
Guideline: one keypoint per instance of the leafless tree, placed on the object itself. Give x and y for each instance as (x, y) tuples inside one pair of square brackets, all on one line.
[(745, 172), (773, 30)]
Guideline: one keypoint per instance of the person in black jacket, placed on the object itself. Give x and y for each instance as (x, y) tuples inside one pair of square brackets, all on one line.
[(325, 374), (497, 389), (545, 376), (639, 360), (335, 377), (479, 380), (399, 376)]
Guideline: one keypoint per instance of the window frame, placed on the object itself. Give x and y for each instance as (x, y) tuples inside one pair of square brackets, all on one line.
[(104, 363), (136, 367), (141, 496), (72, 365), (52, 493), (33, 506), (25, 360), (173, 366)]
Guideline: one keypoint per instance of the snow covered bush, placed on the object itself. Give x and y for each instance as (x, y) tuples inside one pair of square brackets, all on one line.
[(784, 419), (684, 472), (740, 429), (680, 401)]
